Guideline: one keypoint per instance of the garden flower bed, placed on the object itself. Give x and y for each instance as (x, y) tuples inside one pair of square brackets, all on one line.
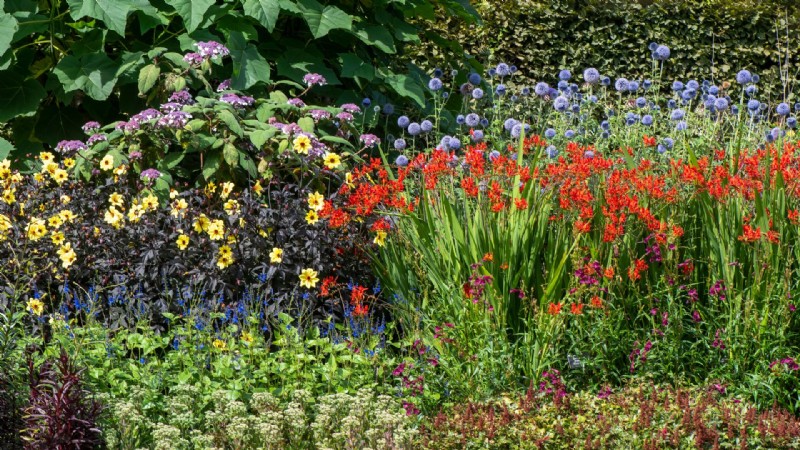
[(235, 272)]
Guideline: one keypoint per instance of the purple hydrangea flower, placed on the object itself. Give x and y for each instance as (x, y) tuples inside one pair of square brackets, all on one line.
[(90, 127), (235, 100), (319, 114), (352, 108), (312, 79), (175, 119), (211, 49), (69, 147), (296, 102), (152, 114), (224, 86), (345, 116), (183, 97), (369, 140), (194, 59), (166, 107), (97, 137), (150, 174)]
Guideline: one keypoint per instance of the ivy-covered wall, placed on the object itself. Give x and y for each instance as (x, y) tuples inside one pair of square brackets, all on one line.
[(709, 39)]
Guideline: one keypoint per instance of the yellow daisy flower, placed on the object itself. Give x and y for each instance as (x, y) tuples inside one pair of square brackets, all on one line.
[(69, 163), (67, 215), (36, 306), (116, 199), (332, 160), (227, 188), (216, 230), (8, 196), (36, 229), (107, 163), (179, 208), (57, 237), (183, 242), (150, 203), (219, 344), (60, 176), (312, 217), (224, 261), (380, 238), (308, 278), (302, 144), (225, 251), (276, 255), (316, 201), (46, 157), (247, 338), (257, 188), (55, 221), (201, 223), (231, 207), (65, 199)]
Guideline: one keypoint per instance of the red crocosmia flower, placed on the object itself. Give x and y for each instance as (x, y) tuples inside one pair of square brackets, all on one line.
[(554, 308), (521, 203), (649, 141), (608, 273), (596, 302), (750, 234), (467, 290), (488, 257), (793, 215), (773, 236), (360, 310), (576, 308), (357, 295), (327, 283), (583, 227)]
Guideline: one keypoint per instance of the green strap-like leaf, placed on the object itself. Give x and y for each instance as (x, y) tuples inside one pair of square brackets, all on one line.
[(264, 11), (191, 11)]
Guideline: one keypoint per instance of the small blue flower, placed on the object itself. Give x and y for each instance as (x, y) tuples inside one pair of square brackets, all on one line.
[(472, 120), (641, 102), (681, 126), (477, 93), (591, 75), (426, 126), (693, 84), (474, 78), (435, 84), (783, 109), (688, 94), (661, 149), (509, 124), (388, 109), (756, 78), (562, 85), (502, 70), (753, 104), (477, 136), (494, 155), (564, 75), (399, 144), (460, 119), (551, 151), (652, 46), (588, 154), (500, 89), (791, 122), (484, 122), (569, 134), (403, 121), (605, 81), (721, 104), (668, 142), (647, 83), (750, 90), (677, 85), (516, 130), (713, 90), (621, 85), (366, 101), (647, 120), (401, 161), (576, 108), (549, 133), (541, 89), (454, 144), (604, 135), (633, 86), (671, 104), (414, 129)]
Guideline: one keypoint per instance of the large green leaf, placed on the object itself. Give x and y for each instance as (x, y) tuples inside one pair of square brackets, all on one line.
[(8, 26), (407, 87), (5, 148), (148, 77), (377, 36), (296, 63), (353, 66), (191, 11), (18, 96), (321, 19), (94, 73), (249, 67), (264, 11), (113, 13)]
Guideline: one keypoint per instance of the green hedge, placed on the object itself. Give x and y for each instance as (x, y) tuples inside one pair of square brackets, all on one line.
[(711, 39)]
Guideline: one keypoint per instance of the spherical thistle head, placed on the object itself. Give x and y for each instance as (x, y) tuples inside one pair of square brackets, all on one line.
[(662, 53), (564, 75), (744, 76), (783, 109), (435, 84), (621, 85), (474, 78), (414, 129), (549, 133), (561, 103), (591, 75), (477, 93), (647, 120), (399, 144), (401, 161), (403, 121)]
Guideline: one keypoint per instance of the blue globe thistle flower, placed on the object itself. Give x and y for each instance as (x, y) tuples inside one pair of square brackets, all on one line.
[(445, 95), (551, 151), (477, 135), (414, 129), (791, 122), (647, 120), (388, 109), (474, 78), (472, 120), (588, 154), (605, 81), (611, 113), (569, 134), (591, 75), (661, 149), (681, 126), (509, 124), (526, 91), (763, 106), (713, 90), (454, 144), (654, 107), (668, 142), (549, 133), (688, 94), (564, 75), (630, 121), (677, 114), (500, 89), (604, 135), (561, 103), (494, 155), (662, 53), (633, 86), (454, 73), (403, 122), (783, 109), (647, 83), (753, 104), (465, 89), (693, 84), (426, 126), (671, 104), (756, 78), (491, 72), (399, 144), (576, 108), (652, 47), (366, 102), (435, 84), (641, 102), (477, 93), (744, 77), (734, 110), (770, 137), (706, 83), (460, 119), (797, 107), (574, 88), (677, 85), (438, 73), (552, 93), (444, 143), (605, 125), (541, 89), (709, 102), (502, 70), (514, 69), (401, 160), (621, 85), (563, 85), (484, 122), (593, 98), (721, 104)]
